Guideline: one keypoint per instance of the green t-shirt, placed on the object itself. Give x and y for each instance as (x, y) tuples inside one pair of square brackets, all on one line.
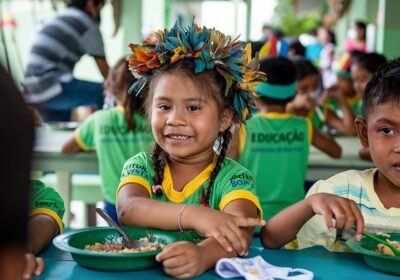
[(355, 104), (106, 132), (274, 147), (45, 200), (232, 182), (318, 116)]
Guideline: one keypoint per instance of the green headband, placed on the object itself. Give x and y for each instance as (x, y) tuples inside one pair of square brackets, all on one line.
[(276, 91), (343, 73)]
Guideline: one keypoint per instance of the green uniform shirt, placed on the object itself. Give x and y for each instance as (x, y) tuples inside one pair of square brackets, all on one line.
[(355, 104), (232, 182), (45, 200), (106, 132), (274, 147), (318, 116)]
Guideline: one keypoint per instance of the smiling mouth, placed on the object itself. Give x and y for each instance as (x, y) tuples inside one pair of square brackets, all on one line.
[(396, 165), (176, 137)]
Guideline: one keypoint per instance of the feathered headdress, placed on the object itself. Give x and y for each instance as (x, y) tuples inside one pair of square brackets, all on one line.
[(209, 49)]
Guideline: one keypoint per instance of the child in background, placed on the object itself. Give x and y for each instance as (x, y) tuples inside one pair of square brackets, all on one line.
[(115, 134), (307, 102), (45, 222), (362, 68), (274, 143), (345, 86), (194, 92), (375, 191)]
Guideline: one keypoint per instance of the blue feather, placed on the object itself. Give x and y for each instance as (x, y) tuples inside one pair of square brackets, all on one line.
[(200, 65)]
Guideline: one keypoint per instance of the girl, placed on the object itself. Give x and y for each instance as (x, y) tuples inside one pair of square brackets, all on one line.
[(308, 101), (193, 79), (115, 134)]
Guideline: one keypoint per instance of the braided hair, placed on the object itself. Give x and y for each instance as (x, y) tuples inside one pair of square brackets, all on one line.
[(214, 84)]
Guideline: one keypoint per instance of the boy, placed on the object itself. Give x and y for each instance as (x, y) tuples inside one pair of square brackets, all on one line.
[(274, 145)]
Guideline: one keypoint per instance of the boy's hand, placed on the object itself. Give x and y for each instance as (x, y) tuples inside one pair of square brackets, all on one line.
[(223, 227), (183, 260), (33, 266), (343, 210)]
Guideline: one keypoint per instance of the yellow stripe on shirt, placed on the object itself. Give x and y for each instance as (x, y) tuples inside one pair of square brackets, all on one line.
[(79, 140), (240, 194), (134, 180), (49, 212)]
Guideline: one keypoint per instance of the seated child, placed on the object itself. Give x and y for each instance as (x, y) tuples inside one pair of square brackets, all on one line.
[(15, 163), (308, 103), (344, 87), (375, 192), (193, 80), (115, 134), (45, 222), (362, 68), (274, 143)]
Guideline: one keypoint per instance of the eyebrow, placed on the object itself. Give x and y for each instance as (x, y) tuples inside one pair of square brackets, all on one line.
[(386, 120), (194, 99)]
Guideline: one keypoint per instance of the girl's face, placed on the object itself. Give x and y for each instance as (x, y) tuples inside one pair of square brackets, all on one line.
[(345, 86), (185, 120), (307, 85), (382, 137), (360, 78)]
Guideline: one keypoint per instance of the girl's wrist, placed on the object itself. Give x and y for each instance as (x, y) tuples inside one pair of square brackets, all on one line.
[(184, 220)]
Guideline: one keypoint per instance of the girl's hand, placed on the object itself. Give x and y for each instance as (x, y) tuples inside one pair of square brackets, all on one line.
[(223, 227), (33, 266), (183, 259), (343, 210)]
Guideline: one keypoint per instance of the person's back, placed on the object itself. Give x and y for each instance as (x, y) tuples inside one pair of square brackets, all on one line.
[(276, 150), (58, 46), (274, 142)]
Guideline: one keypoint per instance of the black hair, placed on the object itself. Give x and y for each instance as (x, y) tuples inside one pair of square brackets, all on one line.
[(279, 71), (133, 103), (81, 4), (369, 61), (383, 87), (16, 121), (215, 84), (304, 68), (298, 47), (331, 35)]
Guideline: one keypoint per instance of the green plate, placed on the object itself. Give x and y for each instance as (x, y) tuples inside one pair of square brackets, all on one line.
[(74, 243), (378, 261)]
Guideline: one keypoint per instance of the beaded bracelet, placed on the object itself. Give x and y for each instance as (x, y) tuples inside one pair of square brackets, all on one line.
[(180, 217)]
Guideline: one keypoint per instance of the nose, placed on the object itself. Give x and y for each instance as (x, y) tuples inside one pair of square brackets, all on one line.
[(397, 145), (176, 118)]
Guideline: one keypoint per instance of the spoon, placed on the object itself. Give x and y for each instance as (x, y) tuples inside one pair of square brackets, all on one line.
[(378, 239), (127, 241)]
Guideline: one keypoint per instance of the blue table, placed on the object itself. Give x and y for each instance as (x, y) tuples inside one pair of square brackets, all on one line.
[(324, 264)]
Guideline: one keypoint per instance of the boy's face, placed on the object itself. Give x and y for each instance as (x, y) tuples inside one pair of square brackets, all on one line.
[(308, 85), (345, 85), (360, 78), (381, 134)]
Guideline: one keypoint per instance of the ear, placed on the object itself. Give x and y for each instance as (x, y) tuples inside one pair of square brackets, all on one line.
[(226, 120), (361, 128)]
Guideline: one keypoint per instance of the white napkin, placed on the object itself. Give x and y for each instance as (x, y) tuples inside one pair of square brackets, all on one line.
[(257, 268)]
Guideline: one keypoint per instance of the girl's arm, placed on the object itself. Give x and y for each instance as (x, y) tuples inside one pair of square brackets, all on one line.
[(185, 260), (136, 208), (326, 144), (71, 146), (283, 227)]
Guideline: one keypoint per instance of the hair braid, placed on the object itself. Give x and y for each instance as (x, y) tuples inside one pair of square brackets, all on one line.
[(225, 137), (160, 158)]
